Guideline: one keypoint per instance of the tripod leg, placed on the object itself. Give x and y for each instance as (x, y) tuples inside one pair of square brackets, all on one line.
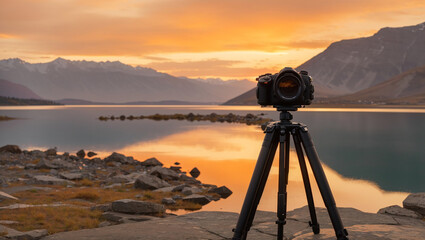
[(283, 181), (323, 184), (314, 224), (258, 181)]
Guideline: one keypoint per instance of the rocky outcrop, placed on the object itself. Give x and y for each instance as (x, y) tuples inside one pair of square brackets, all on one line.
[(149, 182), (223, 191), (415, 202), (10, 149)]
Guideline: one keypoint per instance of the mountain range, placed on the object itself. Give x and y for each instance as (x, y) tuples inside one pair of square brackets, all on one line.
[(114, 82), (367, 69)]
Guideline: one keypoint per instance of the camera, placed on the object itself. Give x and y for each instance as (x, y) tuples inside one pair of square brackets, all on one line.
[(288, 88)]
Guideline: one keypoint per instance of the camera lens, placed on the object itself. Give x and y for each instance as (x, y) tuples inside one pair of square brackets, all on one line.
[(288, 87)]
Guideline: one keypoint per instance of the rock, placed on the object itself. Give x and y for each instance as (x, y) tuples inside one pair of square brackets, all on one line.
[(59, 163), (177, 163), (102, 207), (7, 222), (115, 185), (38, 154), (195, 172), (71, 176), (5, 196), (91, 154), (81, 154), (179, 188), (30, 235), (175, 168), (223, 191), (11, 149), (177, 197), (136, 207), (104, 224), (118, 179), (196, 198), (165, 189), (190, 190), (149, 182), (213, 197), (151, 162), (123, 217), (415, 202), (168, 201), (51, 152), (399, 211), (164, 173), (45, 164), (118, 157), (188, 179), (3, 182), (49, 180)]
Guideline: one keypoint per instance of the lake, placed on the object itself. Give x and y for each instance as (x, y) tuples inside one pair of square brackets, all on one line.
[(372, 157)]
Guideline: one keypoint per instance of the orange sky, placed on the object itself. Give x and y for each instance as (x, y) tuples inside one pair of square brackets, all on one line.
[(195, 38)]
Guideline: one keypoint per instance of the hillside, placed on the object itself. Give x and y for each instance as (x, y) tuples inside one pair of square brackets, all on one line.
[(407, 88), (349, 66), (114, 82), (353, 65), (10, 89), (10, 101)]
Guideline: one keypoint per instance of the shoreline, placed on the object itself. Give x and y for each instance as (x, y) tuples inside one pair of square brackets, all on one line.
[(109, 191)]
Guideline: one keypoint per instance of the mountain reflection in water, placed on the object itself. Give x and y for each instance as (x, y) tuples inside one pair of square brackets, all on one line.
[(226, 155)]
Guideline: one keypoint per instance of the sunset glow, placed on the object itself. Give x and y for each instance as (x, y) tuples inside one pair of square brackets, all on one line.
[(229, 39)]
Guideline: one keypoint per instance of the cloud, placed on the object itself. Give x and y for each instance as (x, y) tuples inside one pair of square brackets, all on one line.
[(210, 68), (129, 27)]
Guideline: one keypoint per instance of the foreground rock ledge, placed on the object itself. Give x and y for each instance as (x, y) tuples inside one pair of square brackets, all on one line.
[(219, 225)]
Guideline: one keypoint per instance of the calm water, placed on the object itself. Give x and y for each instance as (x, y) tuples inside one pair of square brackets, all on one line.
[(368, 154)]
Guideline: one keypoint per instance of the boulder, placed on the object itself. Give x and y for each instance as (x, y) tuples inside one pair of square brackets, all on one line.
[(176, 168), (11, 149), (38, 154), (59, 163), (30, 235), (168, 201), (81, 154), (45, 164), (151, 162), (195, 172), (164, 173), (149, 182), (91, 154), (102, 207), (165, 189), (223, 191), (137, 207), (399, 211), (415, 202), (176, 163), (71, 176), (196, 198), (188, 179), (5, 196), (51, 152), (177, 197), (49, 180), (118, 157)]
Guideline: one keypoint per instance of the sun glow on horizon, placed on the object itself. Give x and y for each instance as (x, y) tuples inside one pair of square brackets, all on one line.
[(234, 39)]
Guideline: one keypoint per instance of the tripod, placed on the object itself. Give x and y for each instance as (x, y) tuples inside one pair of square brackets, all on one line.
[(279, 133)]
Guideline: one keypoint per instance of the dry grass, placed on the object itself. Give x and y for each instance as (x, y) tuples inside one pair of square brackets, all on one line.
[(87, 195), (54, 219), (85, 183)]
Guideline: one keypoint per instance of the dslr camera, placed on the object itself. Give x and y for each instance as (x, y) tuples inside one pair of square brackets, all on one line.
[(288, 88)]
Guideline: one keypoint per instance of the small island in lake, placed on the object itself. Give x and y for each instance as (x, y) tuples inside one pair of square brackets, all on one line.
[(249, 119)]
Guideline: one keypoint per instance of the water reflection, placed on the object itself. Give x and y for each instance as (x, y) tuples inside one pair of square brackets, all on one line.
[(226, 155)]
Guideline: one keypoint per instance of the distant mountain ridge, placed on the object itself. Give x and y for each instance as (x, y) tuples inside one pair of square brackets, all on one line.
[(114, 82), (349, 66), (10, 89)]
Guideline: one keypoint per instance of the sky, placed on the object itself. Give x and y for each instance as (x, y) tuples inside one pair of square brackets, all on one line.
[(228, 39)]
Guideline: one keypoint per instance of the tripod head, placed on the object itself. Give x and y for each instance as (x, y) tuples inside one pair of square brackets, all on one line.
[(285, 115)]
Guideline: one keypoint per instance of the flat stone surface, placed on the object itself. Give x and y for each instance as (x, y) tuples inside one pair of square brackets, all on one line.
[(50, 180), (219, 225), (399, 211), (16, 189), (136, 207)]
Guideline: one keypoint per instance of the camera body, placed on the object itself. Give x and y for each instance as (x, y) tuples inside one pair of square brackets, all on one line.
[(288, 88)]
